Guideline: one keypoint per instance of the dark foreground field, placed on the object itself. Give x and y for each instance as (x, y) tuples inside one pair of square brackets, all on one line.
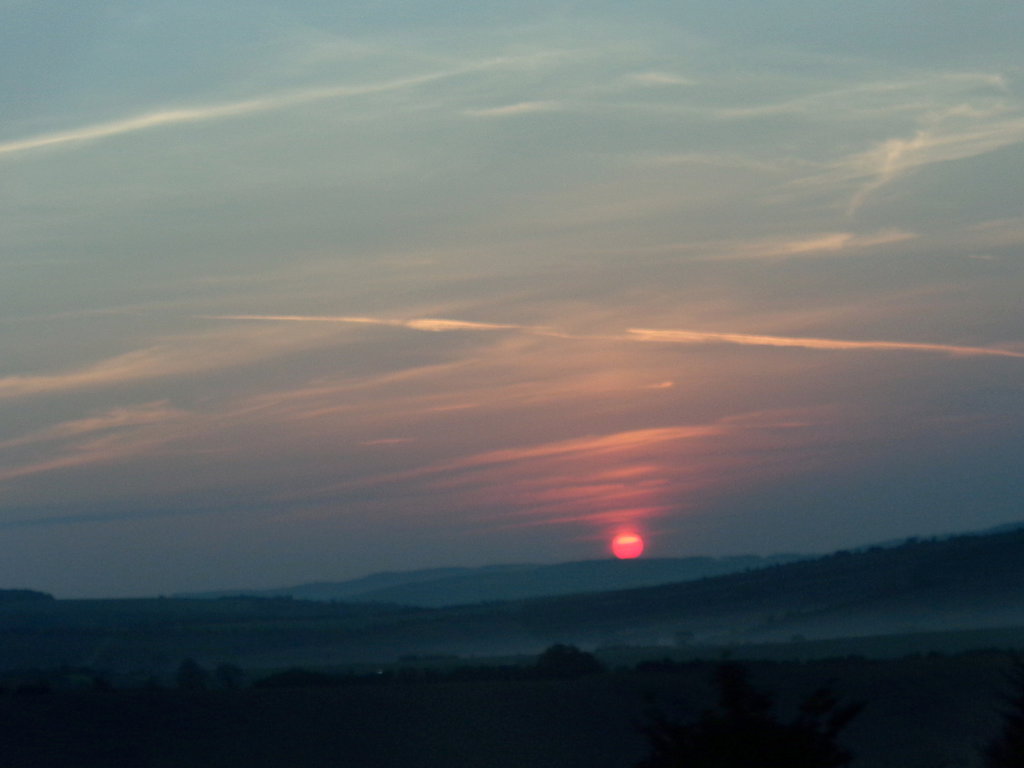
[(929, 712)]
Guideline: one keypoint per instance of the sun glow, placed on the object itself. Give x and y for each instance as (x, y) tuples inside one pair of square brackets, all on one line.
[(627, 546)]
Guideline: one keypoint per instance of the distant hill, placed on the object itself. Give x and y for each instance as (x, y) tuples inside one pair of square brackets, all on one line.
[(963, 582), (971, 582), (439, 587), (11, 596)]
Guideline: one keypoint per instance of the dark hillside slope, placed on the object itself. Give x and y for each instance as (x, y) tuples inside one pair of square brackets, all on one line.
[(150, 637), (967, 582), (523, 582), (961, 582), (440, 587)]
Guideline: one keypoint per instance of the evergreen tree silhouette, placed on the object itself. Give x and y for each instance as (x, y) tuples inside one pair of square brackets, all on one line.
[(744, 732), (567, 661), (191, 676), (1007, 749)]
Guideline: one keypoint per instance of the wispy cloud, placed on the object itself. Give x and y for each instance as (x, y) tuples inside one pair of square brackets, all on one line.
[(654, 79), (232, 109), (923, 119), (704, 337), (894, 158), (720, 160), (881, 98), (116, 418), (823, 243), (1001, 232), (131, 366), (102, 438), (389, 441), (435, 324), (175, 356), (596, 479), (779, 248), (590, 445), (511, 110), (613, 478), (647, 335)]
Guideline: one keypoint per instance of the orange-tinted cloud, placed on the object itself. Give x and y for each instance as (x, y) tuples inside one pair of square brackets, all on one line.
[(672, 336), (759, 340), (175, 356), (99, 439), (599, 481)]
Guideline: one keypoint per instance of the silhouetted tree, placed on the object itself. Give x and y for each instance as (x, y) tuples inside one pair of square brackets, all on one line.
[(229, 677), (1007, 749), (191, 676), (744, 732), (24, 596), (567, 661), (299, 678)]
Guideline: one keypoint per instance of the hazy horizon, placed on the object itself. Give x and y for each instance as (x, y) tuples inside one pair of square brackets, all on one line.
[(299, 291)]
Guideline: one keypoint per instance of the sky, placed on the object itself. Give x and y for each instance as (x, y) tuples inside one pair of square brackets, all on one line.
[(304, 290)]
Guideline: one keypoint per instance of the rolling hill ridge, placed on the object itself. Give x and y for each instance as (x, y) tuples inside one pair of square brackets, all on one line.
[(969, 582), (438, 587)]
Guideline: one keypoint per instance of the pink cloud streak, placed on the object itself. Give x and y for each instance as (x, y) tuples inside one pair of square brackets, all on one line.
[(672, 336)]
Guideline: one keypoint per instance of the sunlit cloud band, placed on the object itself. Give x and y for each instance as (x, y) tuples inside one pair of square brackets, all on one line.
[(653, 335), (703, 337)]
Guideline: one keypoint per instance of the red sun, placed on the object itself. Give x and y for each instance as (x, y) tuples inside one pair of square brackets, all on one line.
[(626, 546)]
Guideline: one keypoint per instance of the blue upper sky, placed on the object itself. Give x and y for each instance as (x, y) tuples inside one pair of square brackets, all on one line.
[(303, 290)]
